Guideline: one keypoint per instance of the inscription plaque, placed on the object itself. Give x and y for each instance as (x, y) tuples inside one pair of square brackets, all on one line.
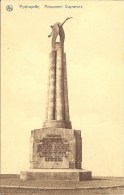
[(53, 148)]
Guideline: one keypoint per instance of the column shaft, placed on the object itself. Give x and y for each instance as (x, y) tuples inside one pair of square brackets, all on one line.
[(59, 85), (52, 83), (47, 103), (67, 118)]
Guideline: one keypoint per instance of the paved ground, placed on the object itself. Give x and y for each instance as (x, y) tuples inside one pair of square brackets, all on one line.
[(97, 186), (63, 192), (110, 191)]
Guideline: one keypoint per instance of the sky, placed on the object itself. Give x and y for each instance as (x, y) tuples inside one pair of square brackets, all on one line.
[(94, 47)]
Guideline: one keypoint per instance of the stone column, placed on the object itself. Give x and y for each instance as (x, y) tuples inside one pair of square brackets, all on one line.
[(52, 83), (47, 103), (57, 109), (67, 118), (59, 83)]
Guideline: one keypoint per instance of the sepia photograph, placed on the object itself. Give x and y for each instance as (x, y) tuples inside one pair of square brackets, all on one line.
[(62, 97)]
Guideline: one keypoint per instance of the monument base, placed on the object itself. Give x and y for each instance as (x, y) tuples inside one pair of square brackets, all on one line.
[(56, 148), (56, 174)]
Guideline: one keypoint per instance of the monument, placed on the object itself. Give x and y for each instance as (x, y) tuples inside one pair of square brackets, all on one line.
[(56, 148)]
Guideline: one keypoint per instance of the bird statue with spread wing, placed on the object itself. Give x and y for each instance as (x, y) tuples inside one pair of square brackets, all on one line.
[(57, 29)]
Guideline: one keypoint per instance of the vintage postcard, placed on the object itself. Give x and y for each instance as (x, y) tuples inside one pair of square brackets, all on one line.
[(62, 91)]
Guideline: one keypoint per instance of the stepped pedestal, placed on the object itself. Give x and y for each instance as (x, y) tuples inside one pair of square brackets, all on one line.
[(56, 154), (56, 174)]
